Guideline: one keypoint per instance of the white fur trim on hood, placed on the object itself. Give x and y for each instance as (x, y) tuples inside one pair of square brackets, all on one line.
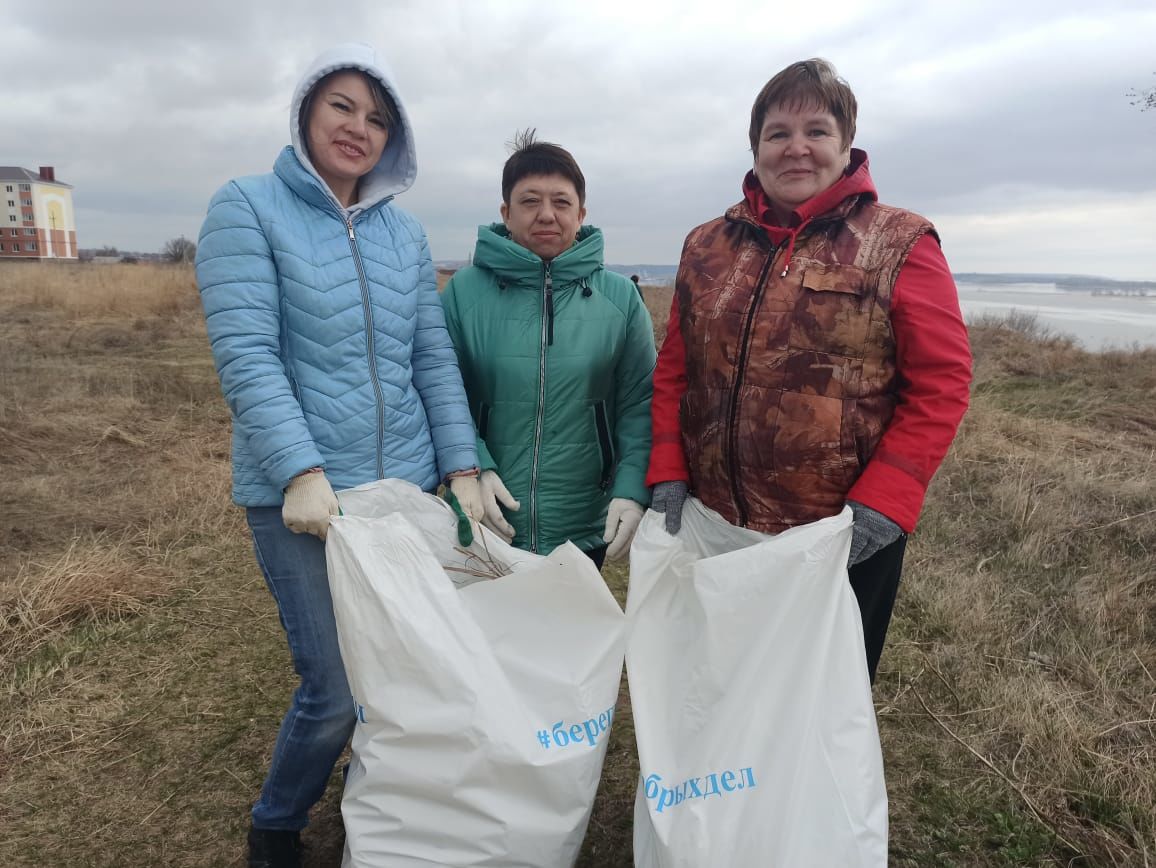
[(396, 169)]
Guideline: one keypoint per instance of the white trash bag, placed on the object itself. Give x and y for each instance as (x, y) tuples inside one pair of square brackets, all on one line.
[(484, 705), (756, 732)]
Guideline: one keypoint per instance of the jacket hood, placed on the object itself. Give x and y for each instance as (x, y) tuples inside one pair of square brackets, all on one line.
[(397, 168), (514, 264)]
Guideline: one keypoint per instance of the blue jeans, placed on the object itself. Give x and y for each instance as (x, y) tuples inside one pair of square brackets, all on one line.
[(321, 716)]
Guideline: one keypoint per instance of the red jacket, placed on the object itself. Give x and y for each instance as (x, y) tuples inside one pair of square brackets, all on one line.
[(931, 360)]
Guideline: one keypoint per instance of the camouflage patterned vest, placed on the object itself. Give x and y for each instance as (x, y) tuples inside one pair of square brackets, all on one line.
[(791, 378)]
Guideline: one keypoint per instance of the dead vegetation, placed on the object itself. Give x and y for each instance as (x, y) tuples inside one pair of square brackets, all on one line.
[(143, 671)]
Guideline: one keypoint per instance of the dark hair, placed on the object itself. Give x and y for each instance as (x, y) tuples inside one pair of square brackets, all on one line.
[(382, 101), (811, 82), (531, 157)]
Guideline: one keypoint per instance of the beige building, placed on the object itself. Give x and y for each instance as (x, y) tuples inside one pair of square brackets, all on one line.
[(37, 220)]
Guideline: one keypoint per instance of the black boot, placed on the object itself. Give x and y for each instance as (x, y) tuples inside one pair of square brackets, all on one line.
[(274, 848)]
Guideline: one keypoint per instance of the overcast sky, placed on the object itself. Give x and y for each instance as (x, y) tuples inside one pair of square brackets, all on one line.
[(1007, 124)]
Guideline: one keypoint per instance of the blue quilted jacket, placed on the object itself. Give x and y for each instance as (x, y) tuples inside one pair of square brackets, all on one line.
[(325, 323)]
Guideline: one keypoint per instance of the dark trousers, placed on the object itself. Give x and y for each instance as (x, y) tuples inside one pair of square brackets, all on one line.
[(597, 555), (875, 582)]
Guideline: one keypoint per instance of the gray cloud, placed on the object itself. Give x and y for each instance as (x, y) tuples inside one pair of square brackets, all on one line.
[(989, 118)]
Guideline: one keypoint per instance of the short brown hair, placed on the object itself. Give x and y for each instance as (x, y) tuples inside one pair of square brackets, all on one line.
[(532, 157), (811, 82)]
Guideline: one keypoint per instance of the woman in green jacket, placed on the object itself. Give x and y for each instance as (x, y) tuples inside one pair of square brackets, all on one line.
[(557, 354)]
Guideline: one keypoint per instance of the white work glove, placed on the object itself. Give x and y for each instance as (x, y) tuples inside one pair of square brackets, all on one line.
[(309, 501), (622, 520), (469, 495), (495, 495)]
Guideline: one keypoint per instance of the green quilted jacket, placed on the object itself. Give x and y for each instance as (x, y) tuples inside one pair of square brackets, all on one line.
[(557, 359)]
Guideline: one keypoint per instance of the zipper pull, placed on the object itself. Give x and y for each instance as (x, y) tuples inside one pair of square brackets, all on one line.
[(349, 226), (549, 307)]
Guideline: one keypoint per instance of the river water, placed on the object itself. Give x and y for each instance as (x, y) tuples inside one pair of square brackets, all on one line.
[(1098, 322)]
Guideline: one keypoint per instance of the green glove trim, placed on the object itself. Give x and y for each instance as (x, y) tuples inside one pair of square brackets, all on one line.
[(465, 527)]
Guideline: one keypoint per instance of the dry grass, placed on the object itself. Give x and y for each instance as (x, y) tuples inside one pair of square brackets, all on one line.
[(143, 669), (88, 583), (658, 299), (85, 290), (1026, 629)]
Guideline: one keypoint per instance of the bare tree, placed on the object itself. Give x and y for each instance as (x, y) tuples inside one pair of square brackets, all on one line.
[(179, 250), (1146, 99)]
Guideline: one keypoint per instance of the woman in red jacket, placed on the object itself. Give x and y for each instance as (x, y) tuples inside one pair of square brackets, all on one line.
[(815, 355)]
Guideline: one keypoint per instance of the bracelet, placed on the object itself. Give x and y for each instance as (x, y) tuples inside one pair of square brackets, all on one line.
[(303, 473), (459, 474)]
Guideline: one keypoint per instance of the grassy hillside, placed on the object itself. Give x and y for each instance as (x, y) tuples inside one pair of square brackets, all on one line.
[(143, 670)]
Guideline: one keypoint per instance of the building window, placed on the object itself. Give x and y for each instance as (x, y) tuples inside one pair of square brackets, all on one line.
[(30, 245), (29, 231), (11, 203), (11, 218), (8, 188), (27, 203), (25, 188)]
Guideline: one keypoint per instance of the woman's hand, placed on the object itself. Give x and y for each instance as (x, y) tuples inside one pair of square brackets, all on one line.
[(871, 532), (469, 495), (668, 498), (309, 502), (622, 520), (495, 495)]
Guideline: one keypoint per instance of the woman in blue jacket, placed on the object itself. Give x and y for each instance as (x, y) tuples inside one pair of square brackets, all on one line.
[(329, 339)]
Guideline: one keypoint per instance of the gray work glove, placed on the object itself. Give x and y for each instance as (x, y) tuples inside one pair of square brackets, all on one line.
[(871, 532), (668, 498)]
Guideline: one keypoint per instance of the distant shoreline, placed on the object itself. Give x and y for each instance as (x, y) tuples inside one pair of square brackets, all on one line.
[(1069, 282), (659, 274)]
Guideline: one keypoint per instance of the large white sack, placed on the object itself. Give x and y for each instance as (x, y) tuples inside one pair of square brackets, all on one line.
[(483, 709), (756, 732)]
